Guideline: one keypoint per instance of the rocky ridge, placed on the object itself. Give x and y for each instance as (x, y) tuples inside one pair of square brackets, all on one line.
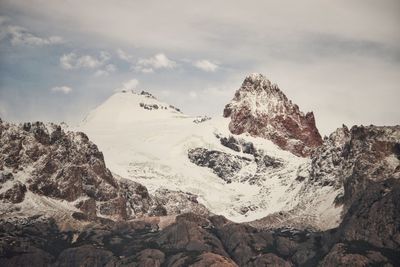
[(350, 159), (348, 162)]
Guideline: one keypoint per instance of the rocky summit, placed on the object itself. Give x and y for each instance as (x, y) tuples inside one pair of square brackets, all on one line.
[(139, 183), (261, 109)]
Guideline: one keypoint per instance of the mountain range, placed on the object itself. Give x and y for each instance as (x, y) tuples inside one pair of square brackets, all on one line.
[(139, 183)]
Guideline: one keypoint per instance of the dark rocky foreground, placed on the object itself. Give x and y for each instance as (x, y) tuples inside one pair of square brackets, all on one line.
[(368, 236)]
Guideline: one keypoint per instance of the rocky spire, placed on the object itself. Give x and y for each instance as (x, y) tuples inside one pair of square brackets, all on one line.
[(262, 109)]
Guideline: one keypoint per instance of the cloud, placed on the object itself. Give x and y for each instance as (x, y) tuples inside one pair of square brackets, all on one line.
[(129, 85), (317, 48), (206, 65), (18, 35), (158, 61), (124, 56), (61, 89), (177, 26), (73, 61), (108, 69)]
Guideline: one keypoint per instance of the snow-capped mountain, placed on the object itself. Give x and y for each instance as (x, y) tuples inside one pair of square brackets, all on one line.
[(242, 177), (172, 176), (260, 108)]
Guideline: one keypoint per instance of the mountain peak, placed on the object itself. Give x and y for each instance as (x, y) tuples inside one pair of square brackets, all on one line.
[(129, 107), (142, 93), (255, 76), (261, 109)]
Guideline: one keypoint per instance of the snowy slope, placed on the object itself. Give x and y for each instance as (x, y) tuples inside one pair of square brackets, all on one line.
[(151, 146)]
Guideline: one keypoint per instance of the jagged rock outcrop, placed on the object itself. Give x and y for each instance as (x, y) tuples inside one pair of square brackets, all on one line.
[(326, 165), (54, 163), (201, 119), (224, 165), (262, 109), (178, 202), (228, 166), (351, 159)]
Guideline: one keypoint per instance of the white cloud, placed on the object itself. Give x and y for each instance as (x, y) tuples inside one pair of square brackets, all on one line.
[(18, 35), (66, 61), (108, 69), (158, 61), (105, 56), (124, 56), (206, 65), (88, 62), (73, 61), (61, 89), (183, 26), (129, 85)]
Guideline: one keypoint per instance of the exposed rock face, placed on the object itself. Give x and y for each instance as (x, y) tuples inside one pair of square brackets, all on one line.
[(346, 255), (261, 109), (15, 194), (351, 159), (178, 202), (201, 119), (228, 166), (327, 161), (369, 233), (64, 165), (374, 216), (224, 165)]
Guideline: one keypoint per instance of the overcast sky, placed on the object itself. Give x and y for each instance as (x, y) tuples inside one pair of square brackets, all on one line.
[(340, 59)]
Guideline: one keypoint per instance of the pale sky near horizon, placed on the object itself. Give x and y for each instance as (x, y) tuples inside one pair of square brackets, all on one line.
[(340, 59)]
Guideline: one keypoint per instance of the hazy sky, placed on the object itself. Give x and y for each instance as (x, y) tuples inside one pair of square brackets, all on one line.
[(341, 59)]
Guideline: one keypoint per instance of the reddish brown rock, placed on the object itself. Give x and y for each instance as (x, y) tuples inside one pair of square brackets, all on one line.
[(214, 260), (271, 260), (340, 256), (150, 258), (88, 206), (262, 109)]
